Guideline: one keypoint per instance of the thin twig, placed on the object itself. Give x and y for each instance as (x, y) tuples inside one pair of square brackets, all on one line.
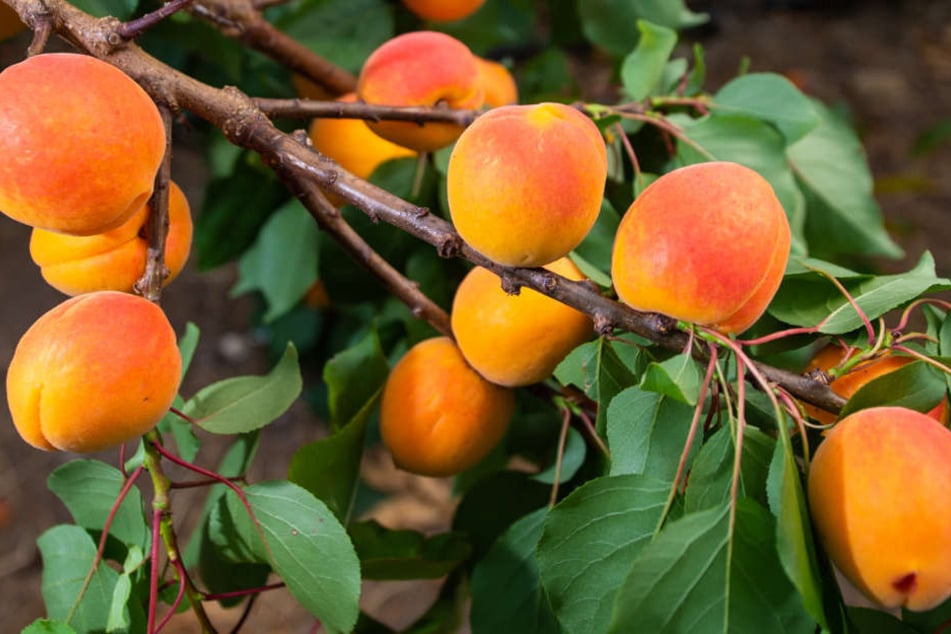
[(156, 228), (312, 109), (134, 28)]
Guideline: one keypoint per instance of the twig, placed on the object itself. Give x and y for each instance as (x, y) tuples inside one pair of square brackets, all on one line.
[(156, 228), (134, 28), (309, 109)]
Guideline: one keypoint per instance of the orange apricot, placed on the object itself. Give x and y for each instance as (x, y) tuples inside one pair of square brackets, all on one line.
[(420, 68), (443, 10), (519, 339), (847, 384), (706, 243), (438, 416), (525, 183), (113, 260), (498, 85), (10, 22), (878, 489), (81, 143), (95, 371)]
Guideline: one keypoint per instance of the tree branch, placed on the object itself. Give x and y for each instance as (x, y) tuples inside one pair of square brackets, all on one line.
[(309, 109)]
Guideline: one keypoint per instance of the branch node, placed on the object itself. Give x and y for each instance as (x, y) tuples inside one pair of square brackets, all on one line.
[(603, 326), (449, 246), (510, 286)]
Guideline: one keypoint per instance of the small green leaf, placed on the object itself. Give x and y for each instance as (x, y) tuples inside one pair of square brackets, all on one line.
[(678, 377), (353, 376), (46, 626), (404, 554), (642, 69), (772, 98), (598, 370), (242, 404), (613, 24), (572, 459), (595, 250)]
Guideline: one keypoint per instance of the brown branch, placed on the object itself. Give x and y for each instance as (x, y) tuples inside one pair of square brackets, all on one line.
[(132, 29), (309, 109), (236, 115), (156, 227)]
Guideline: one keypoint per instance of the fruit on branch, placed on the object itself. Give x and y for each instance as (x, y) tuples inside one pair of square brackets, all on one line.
[(113, 260), (421, 68), (519, 339), (443, 10), (10, 22), (847, 384), (353, 145), (878, 489), (706, 243), (81, 142), (525, 183), (498, 84), (93, 372), (438, 416)]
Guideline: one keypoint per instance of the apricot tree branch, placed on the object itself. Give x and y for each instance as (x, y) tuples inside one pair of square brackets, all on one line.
[(133, 28), (156, 227), (308, 109)]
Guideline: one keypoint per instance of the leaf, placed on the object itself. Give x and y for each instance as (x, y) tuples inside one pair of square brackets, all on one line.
[(353, 376), (282, 262), (68, 553), (678, 377), (47, 626), (589, 541), (711, 474), (613, 24), (771, 98), (872, 621), (843, 217), (643, 67), (507, 594), (242, 404), (90, 489), (596, 368), (388, 554), (305, 544), (917, 386), (593, 255), (572, 459)]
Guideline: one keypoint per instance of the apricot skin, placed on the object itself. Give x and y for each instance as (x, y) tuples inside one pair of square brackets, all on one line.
[(498, 85), (420, 68), (878, 489), (95, 371), (438, 416), (81, 143), (707, 243), (443, 10), (525, 183), (113, 260), (519, 339)]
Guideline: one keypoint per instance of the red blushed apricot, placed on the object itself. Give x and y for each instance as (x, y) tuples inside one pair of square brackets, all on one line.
[(878, 490), (113, 260), (519, 339), (706, 243), (81, 143), (443, 10), (420, 68), (438, 416), (92, 373), (498, 85), (525, 183)]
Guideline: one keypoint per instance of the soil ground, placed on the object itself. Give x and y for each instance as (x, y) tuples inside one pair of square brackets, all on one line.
[(889, 63)]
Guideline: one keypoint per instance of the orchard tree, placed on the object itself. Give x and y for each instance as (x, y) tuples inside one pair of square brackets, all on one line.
[(641, 332)]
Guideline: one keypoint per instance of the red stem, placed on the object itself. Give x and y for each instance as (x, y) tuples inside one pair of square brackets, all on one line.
[(178, 599), (242, 593)]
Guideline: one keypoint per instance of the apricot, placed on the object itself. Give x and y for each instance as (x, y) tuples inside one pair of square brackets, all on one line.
[(438, 416), (847, 384), (95, 371), (519, 339), (443, 10), (113, 260), (81, 143), (878, 490), (707, 243), (10, 22), (498, 85), (525, 183), (420, 68)]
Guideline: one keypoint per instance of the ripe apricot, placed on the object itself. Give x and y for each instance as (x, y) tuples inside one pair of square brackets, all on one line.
[(519, 339), (438, 416), (498, 85), (443, 10), (10, 22), (113, 260), (525, 183), (878, 489), (847, 384), (93, 372), (706, 243), (420, 68)]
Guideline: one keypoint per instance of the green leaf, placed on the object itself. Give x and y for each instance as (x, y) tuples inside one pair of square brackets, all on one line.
[(187, 344), (46, 626), (507, 594), (90, 489), (589, 541), (613, 24), (711, 474), (843, 217), (597, 369), (572, 459), (305, 544), (872, 621), (593, 255), (388, 554), (282, 262), (242, 404), (642, 69), (68, 554), (772, 98), (917, 385), (678, 377), (353, 376)]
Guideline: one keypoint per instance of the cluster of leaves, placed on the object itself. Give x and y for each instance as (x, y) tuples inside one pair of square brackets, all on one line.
[(606, 533)]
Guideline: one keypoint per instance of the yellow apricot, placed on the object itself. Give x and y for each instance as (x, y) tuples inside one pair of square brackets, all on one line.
[(420, 68), (519, 339), (81, 143), (878, 489), (93, 372), (498, 85), (525, 183), (438, 416), (706, 243), (443, 10), (113, 260)]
